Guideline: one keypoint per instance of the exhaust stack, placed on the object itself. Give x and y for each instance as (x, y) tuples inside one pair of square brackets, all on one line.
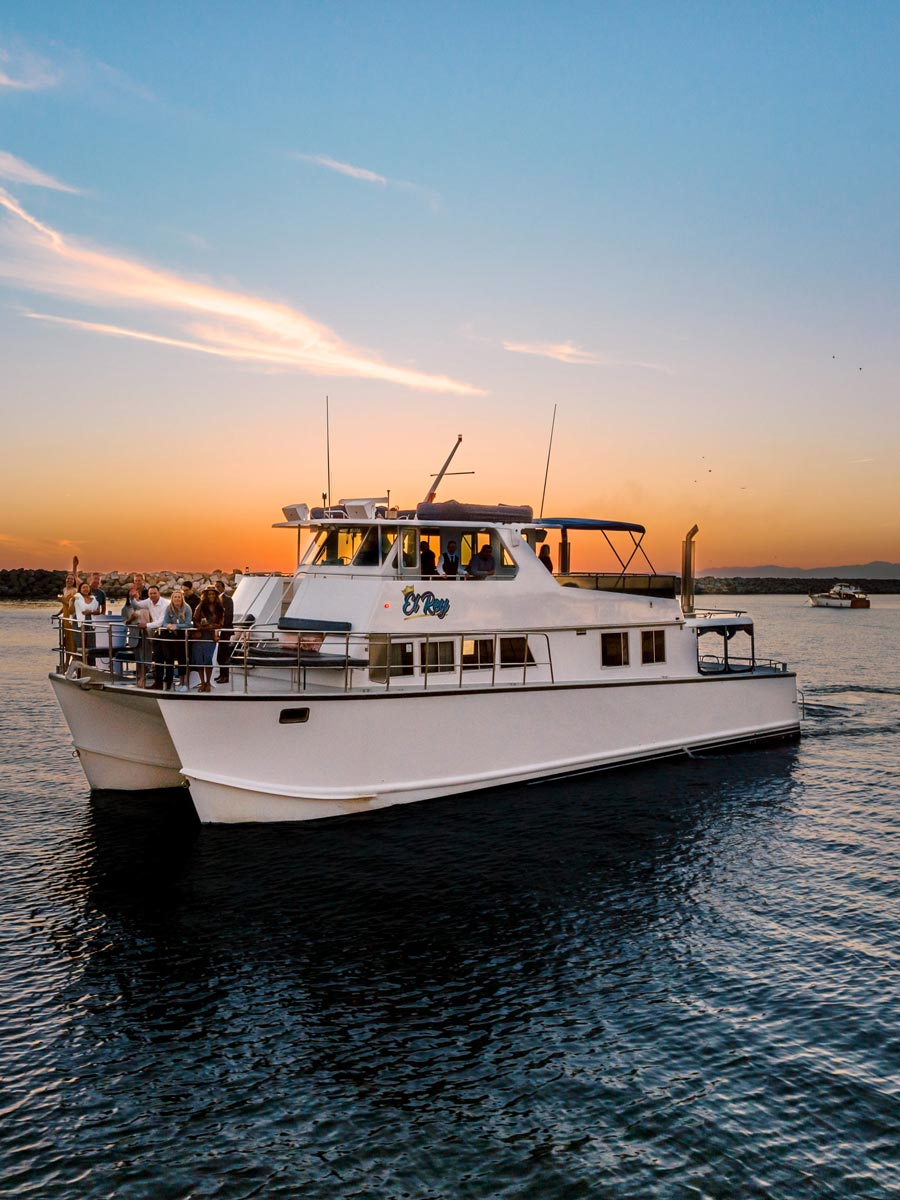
[(687, 570)]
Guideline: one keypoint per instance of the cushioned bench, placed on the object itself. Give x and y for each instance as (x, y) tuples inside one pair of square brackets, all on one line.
[(304, 624)]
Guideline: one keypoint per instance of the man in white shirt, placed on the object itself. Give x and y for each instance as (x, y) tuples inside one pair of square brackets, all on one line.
[(157, 608), (450, 560)]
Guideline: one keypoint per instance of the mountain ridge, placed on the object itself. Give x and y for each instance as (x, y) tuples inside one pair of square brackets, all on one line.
[(878, 569)]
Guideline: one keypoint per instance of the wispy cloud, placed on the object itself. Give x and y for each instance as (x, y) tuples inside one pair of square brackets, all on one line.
[(855, 461), (366, 176), (564, 352), (16, 170), (26, 72), (342, 168), (207, 319), (568, 352)]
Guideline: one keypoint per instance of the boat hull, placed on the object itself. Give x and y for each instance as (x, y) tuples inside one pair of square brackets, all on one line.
[(120, 737), (826, 601), (245, 765)]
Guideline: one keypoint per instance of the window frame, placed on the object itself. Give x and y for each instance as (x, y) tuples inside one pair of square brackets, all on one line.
[(654, 638), (624, 648)]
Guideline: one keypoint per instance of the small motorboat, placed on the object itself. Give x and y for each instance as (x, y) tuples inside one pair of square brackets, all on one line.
[(842, 595)]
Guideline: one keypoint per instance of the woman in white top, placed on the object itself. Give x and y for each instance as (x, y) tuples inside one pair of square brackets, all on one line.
[(85, 604)]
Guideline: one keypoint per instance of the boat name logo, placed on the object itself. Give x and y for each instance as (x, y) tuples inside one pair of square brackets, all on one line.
[(424, 604)]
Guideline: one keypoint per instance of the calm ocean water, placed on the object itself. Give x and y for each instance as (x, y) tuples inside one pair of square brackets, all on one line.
[(675, 981)]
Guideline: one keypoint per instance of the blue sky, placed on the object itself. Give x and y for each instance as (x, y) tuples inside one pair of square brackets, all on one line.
[(677, 221)]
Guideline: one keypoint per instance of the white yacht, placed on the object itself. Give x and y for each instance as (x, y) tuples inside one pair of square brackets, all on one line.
[(372, 677), (842, 595)]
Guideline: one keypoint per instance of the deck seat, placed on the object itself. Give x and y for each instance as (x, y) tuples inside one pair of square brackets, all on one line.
[(297, 624)]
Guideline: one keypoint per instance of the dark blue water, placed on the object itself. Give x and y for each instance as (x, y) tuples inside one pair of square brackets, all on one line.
[(675, 981)]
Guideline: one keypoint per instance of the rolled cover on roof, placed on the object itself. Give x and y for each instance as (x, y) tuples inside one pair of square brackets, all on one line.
[(452, 510)]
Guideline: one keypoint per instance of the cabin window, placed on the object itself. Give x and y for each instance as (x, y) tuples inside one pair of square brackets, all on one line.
[(429, 554), (438, 656), (336, 547), (369, 552), (410, 549), (468, 548), (477, 652), (394, 658), (515, 652), (614, 649), (653, 646)]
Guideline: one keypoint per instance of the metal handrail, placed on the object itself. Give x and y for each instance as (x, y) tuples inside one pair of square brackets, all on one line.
[(266, 648)]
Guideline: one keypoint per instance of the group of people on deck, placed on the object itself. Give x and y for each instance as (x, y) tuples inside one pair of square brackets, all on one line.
[(480, 566), (168, 634)]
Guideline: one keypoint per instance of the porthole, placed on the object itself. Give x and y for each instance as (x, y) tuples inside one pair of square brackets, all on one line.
[(293, 716)]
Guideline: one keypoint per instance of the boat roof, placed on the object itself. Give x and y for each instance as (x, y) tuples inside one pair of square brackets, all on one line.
[(453, 515)]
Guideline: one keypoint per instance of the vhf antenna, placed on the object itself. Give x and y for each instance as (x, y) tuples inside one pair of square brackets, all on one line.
[(547, 470), (328, 451)]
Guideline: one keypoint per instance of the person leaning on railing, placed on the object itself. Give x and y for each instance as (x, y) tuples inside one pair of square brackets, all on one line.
[(84, 605), (157, 607), (209, 617), (173, 644)]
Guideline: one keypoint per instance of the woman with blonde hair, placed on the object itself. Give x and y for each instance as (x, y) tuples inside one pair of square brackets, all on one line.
[(173, 644)]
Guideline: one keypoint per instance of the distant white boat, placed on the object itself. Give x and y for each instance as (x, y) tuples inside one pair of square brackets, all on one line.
[(842, 595)]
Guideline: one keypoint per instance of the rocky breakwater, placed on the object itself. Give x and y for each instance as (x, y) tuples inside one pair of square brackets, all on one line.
[(792, 586), (41, 584)]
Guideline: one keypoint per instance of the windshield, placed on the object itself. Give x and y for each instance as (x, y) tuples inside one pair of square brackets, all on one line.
[(359, 545)]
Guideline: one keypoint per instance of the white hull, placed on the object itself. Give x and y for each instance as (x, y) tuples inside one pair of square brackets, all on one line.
[(243, 766), (840, 596), (121, 739)]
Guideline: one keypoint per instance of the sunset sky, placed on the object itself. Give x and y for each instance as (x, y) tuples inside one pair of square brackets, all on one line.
[(680, 223)]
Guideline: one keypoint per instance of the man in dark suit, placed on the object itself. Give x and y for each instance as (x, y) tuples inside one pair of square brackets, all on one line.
[(225, 647)]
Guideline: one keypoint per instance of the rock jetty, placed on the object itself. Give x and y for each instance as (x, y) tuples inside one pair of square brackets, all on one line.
[(40, 584), (792, 586)]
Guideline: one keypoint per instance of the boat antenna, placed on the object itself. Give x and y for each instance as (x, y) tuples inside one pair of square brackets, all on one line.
[(547, 469), (328, 451), (429, 499)]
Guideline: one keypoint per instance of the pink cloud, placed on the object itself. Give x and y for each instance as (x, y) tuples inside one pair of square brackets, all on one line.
[(568, 352), (209, 319), (16, 170)]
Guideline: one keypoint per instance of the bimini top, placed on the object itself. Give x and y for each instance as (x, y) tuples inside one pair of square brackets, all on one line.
[(586, 523)]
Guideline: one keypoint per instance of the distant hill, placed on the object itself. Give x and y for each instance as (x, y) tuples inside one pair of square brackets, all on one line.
[(872, 570)]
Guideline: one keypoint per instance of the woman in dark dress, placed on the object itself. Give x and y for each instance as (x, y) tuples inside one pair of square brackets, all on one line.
[(209, 617)]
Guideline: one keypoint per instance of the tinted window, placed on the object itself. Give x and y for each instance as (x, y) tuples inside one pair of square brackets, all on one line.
[(478, 652), (614, 649), (653, 646), (439, 656), (515, 652)]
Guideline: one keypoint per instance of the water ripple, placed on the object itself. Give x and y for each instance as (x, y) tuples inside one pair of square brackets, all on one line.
[(681, 980)]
